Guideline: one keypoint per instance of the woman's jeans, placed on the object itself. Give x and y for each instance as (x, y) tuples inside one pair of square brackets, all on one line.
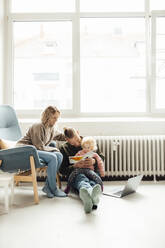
[(53, 161), (82, 181)]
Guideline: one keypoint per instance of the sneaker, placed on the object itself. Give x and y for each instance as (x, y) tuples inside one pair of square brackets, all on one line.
[(87, 201), (96, 192), (94, 207), (59, 193), (47, 192)]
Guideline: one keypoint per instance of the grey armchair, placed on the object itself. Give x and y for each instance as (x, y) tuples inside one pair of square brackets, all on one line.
[(23, 160)]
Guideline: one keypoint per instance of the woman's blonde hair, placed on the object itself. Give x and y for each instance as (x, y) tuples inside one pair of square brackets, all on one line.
[(89, 140), (47, 114)]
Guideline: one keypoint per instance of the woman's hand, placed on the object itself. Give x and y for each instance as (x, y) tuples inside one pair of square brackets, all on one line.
[(56, 150)]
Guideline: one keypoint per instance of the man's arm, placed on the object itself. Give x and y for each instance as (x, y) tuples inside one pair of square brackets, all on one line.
[(65, 168)]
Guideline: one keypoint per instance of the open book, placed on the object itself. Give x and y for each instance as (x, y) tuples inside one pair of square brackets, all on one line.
[(75, 159)]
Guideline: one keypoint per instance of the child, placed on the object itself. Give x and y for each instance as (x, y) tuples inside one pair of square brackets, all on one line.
[(88, 144)]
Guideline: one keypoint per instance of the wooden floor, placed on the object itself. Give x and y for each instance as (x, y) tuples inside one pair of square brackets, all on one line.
[(135, 221)]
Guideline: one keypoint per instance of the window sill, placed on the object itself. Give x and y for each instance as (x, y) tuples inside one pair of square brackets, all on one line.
[(99, 120)]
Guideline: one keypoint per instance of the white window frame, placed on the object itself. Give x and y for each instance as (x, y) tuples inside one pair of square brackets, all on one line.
[(75, 18)]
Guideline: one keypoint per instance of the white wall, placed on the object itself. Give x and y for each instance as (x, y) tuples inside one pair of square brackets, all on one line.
[(109, 126), (2, 21)]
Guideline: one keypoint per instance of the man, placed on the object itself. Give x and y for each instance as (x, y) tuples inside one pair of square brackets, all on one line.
[(89, 190)]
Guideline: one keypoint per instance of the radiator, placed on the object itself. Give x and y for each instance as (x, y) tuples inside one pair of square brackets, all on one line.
[(131, 155)]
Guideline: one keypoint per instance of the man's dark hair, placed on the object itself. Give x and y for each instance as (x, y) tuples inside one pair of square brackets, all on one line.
[(69, 132)]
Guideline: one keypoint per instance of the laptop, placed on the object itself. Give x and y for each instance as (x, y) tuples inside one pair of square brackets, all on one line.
[(130, 187)]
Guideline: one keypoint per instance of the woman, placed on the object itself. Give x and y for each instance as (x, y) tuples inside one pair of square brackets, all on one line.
[(41, 135)]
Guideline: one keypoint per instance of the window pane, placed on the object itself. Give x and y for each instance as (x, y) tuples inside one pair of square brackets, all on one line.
[(113, 65), (111, 5), (157, 5), (160, 62), (43, 6), (42, 64)]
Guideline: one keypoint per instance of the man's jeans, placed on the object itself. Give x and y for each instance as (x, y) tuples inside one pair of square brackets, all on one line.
[(53, 160), (82, 181)]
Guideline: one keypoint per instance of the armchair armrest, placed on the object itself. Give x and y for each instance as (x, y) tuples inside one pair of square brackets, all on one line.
[(18, 158)]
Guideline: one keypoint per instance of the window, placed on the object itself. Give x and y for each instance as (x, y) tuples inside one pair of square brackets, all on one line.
[(157, 5), (111, 5), (90, 58), (159, 63), (42, 64), (42, 6), (113, 65)]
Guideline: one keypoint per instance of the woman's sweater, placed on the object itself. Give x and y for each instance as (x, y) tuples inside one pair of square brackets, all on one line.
[(40, 136)]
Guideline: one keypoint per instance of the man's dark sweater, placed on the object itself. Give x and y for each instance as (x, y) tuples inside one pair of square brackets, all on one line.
[(70, 150)]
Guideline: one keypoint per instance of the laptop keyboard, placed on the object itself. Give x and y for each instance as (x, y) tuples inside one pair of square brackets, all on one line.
[(118, 193)]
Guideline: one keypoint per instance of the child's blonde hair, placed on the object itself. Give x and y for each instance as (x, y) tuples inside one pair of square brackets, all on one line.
[(47, 114), (89, 140)]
